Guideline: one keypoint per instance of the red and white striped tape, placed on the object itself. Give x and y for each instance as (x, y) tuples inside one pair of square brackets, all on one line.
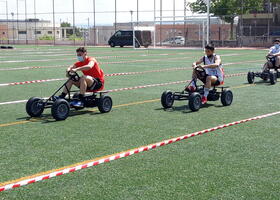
[(125, 154), (129, 88), (108, 75)]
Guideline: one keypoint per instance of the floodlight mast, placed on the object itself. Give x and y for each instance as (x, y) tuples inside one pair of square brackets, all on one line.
[(208, 21)]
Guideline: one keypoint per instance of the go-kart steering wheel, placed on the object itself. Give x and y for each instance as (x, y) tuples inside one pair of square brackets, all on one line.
[(200, 72), (74, 76), (270, 57)]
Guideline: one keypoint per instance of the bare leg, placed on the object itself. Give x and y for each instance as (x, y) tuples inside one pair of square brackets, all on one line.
[(85, 82), (210, 80), (277, 63)]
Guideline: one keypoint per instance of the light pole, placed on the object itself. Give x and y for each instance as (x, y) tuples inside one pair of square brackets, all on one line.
[(115, 15), (137, 12), (155, 23), (160, 26), (74, 31), (53, 24), (25, 8), (185, 18), (13, 27), (174, 21), (35, 22), (17, 22), (208, 21), (94, 25), (132, 27)]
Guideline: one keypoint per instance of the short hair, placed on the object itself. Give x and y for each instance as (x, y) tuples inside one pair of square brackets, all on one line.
[(277, 40), (81, 49), (210, 47)]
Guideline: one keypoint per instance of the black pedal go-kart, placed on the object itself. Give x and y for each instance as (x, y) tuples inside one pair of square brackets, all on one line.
[(270, 75), (60, 107), (168, 97)]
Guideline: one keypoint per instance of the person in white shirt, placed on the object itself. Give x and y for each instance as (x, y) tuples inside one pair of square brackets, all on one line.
[(212, 64), (274, 51)]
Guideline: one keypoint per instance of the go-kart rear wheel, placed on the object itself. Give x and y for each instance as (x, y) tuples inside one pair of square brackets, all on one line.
[(251, 77), (35, 107), (227, 97), (272, 78), (167, 99), (105, 104), (195, 101), (60, 109)]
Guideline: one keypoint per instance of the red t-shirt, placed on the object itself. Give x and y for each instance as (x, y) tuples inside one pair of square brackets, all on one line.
[(94, 72)]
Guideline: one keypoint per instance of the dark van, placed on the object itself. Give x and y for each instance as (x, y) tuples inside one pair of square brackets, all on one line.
[(125, 38)]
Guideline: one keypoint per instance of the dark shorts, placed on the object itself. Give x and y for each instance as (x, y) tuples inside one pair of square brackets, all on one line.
[(97, 84), (204, 80)]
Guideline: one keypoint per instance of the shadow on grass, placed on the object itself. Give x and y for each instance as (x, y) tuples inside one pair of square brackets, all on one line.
[(184, 108), (48, 118)]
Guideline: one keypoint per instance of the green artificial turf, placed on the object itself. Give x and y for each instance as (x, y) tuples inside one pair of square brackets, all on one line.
[(239, 162)]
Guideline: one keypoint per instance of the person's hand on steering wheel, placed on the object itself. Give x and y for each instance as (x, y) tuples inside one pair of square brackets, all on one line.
[(73, 70)]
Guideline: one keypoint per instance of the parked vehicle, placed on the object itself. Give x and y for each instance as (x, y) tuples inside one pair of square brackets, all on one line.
[(125, 38), (178, 40)]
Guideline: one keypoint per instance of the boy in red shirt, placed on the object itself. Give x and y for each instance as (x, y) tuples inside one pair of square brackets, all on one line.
[(92, 80)]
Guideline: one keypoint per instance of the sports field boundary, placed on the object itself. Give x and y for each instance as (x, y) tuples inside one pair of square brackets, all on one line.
[(94, 162)]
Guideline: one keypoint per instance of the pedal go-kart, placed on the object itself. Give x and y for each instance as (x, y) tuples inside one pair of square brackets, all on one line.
[(60, 108), (168, 97), (272, 74)]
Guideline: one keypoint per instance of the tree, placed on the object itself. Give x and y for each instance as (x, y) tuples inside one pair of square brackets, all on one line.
[(69, 32), (227, 9)]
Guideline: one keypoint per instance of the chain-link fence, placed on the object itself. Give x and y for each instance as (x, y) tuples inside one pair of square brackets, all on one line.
[(175, 23)]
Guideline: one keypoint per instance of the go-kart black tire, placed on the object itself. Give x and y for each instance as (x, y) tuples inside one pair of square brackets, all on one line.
[(251, 77), (60, 109), (112, 44), (32, 107), (227, 97), (105, 104), (167, 99), (195, 102), (272, 78), (137, 45)]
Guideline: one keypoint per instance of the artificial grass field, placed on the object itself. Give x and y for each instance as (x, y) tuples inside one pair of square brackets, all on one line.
[(239, 162)]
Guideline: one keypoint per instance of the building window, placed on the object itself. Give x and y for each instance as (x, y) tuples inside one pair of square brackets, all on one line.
[(3, 33), (22, 32), (57, 32), (50, 32), (38, 32)]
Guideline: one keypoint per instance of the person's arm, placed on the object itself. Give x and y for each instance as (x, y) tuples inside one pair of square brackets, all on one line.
[(217, 63), (84, 68), (276, 54), (197, 63)]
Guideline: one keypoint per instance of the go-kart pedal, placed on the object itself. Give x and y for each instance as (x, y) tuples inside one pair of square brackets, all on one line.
[(77, 104), (190, 88)]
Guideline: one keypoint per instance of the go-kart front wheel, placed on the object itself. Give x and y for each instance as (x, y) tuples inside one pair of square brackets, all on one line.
[(195, 101), (167, 99), (105, 104), (35, 107), (272, 78), (251, 77), (60, 109), (227, 97)]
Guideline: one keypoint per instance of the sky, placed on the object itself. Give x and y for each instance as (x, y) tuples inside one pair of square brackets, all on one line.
[(84, 10)]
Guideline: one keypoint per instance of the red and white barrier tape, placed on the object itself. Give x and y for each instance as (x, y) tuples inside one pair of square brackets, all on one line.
[(108, 75), (129, 88), (117, 156)]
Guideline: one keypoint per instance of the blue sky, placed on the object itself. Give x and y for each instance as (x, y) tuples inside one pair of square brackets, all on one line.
[(84, 8)]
